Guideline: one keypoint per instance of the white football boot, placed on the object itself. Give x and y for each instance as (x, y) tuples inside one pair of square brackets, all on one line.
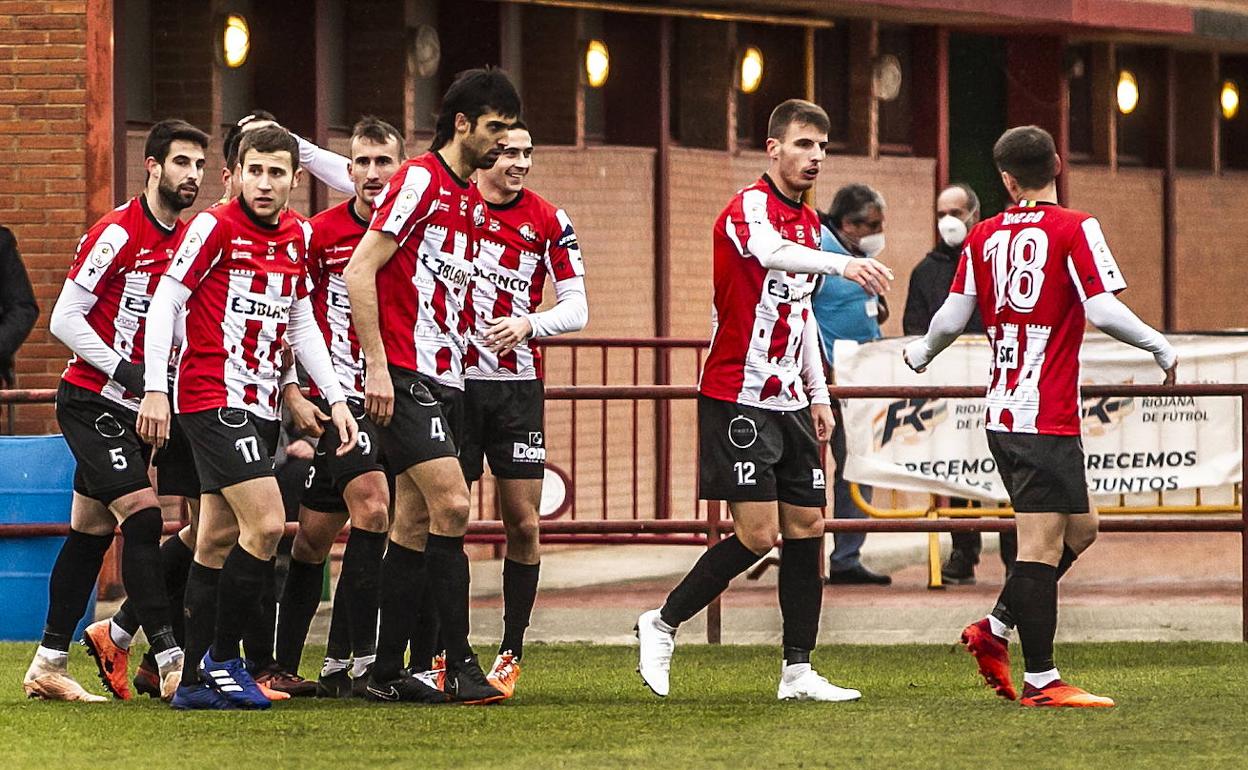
[(655, 642), (801, 682)]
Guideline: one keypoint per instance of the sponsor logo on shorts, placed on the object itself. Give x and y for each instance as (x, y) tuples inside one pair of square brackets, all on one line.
[(108, 426), (817, 480), (532, 452), (742, 432)]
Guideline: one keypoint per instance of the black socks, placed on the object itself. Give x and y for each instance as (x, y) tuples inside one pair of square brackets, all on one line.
[(708, 579), (402, 584), (1002, 610), (69, 588), (239, 600), (1032, 598), (143, 578), (361, 574), (202, 585), (801, 596), (519, 595), (447, 565), (300, 598)]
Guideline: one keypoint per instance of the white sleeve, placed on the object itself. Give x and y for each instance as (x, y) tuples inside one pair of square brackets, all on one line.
[(570, 313), (772, 250), (69, 325), (326, 165), (162, 317), (945, 327), (290, 376), (1107, 313), (812, 364), (305, 338)]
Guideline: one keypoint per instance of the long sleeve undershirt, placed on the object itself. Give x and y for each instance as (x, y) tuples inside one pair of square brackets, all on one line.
[(69, 325)]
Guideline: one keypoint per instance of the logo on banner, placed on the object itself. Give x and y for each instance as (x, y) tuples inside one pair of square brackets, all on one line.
[(1104, 414), (907, 419)]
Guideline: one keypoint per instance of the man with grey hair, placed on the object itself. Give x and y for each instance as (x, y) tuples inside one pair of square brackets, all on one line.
[(853, 226)]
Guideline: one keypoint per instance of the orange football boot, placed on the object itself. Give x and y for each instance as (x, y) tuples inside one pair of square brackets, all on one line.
[(504, 674), (112, 661), (1057, 694)]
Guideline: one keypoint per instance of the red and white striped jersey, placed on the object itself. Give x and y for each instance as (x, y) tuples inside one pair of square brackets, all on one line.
[(759, 315), (120, 260), (520, 244), (335, 234), (423, 292), (1030, 269), (244, 275)]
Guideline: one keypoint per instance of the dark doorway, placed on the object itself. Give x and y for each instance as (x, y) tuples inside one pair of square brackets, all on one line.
[(977, 115)]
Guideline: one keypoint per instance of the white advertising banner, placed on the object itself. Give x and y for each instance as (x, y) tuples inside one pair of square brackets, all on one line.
[(1132, 445)]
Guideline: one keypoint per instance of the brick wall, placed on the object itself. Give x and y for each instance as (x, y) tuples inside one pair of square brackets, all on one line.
[(42, 165), (1128, 205), (1210, 210)]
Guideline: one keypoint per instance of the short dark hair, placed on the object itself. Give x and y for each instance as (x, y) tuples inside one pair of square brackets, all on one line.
[(269, 139), (972, 200), (1027, 153), (166, 132), (378, 131), (474, 93), (851, 202), (230, 145), (796, 111)]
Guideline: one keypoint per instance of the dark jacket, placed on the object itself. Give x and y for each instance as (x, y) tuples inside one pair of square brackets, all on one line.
[(929, 285), (18, 309)]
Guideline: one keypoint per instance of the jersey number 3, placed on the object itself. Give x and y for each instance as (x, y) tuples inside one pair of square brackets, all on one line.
[(1018, 261)]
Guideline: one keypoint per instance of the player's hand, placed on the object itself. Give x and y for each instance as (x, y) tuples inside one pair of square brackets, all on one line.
[(348, 430), (378, 394), (1171, 373), (911, 356), (306, 416), (870, 274), (824, 421), (153, 423), (506, 333)]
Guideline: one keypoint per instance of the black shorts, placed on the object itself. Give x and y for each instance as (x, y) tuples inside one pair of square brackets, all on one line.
[(329, 474), (175, 464), (230, 446), (1042, 473), (747, 454), (112, 459), (428, 419), (503, 424)]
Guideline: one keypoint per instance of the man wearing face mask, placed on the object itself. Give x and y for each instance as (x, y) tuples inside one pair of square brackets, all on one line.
[(957, 211), (853, 226)]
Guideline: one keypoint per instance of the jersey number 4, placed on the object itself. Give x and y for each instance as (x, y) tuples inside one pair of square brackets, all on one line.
[(1018, 261)]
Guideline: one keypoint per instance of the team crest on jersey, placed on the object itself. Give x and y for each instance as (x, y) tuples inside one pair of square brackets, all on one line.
[(292, 252), (742, 432), (478, 215), (102, 254), (528, 232), (190, 246), (406, 203)]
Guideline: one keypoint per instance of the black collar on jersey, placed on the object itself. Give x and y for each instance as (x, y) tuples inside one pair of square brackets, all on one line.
[(454, 176), (147, 210), (511, 204), (257, 220), (787, 200), (355, 214)]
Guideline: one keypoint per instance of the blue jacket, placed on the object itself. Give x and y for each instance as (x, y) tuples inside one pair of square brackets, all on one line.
[(840, 305)]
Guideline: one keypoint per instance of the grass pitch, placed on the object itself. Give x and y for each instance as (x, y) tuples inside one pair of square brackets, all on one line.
[(1180, 705)]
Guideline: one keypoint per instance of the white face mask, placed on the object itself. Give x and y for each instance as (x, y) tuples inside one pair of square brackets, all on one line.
[(952, 230), (871, 245)]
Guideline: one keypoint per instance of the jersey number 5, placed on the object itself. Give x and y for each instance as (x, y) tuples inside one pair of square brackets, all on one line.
[(1018, 261)]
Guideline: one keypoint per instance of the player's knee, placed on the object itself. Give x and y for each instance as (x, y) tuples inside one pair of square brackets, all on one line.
[(759, 540), (369, 507), (522, 533), (310, 548), (143, 527), (1081, 539)]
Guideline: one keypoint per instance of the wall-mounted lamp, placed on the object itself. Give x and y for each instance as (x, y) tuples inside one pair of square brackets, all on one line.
[(1128, 92), (597, 63), (1229, 99), (235, 41), (751, 74), (428, 51), (887, 74)]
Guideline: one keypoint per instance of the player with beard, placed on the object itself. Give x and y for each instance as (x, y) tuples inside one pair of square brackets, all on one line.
[(339, 488), (241, 272), (101, 315), (409, 282), (524, 240)]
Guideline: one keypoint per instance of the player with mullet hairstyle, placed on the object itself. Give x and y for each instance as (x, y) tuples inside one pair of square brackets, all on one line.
[(101, 316), (524, 239), (409, 283), (240, 270), (1036, 272), (348, 487), (763, 406)]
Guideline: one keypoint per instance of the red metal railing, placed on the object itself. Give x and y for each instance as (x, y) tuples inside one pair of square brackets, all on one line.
[(703, 524)]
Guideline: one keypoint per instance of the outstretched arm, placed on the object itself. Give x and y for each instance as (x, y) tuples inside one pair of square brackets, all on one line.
[(1107, 313), (946, 325), (326, 165)]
